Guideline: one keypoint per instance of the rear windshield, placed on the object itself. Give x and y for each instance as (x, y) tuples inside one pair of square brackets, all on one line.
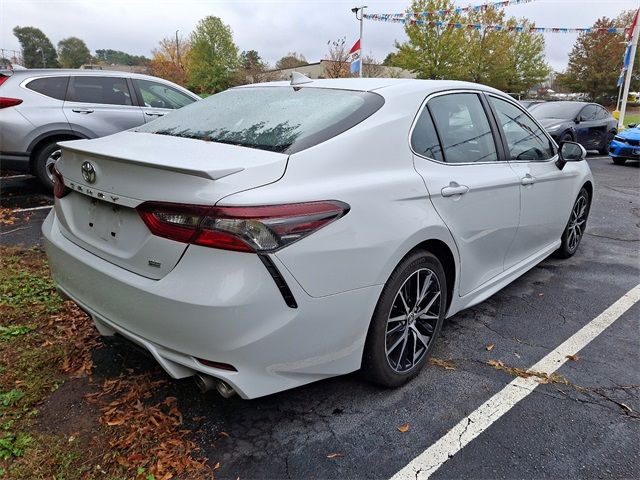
[(279, 119)]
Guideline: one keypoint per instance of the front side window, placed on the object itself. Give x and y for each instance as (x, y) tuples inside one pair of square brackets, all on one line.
[(158, 95), (279, 119), (602, 114), (102, 90), (525, 139), (588, 113), (463, 128), (54, 87)]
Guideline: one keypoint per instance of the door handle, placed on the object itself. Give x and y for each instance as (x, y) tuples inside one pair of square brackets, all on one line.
[(82, 110), (154, 114), (528, 180), (454, 188)]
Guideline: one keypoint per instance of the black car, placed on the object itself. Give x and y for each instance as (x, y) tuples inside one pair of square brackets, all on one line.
[(589, 124), (528, 104)]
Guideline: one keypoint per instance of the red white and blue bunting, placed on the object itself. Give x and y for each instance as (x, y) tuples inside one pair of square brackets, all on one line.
[(450, 11)]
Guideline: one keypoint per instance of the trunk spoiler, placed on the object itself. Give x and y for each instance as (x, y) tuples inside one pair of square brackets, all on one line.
[(187, 168)]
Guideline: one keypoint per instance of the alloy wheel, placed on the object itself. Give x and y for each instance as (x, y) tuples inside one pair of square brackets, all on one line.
[(577, 223), (51, 161), (412, 320)]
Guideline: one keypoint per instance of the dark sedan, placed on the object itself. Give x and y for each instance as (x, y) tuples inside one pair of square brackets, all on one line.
[(589, 124)]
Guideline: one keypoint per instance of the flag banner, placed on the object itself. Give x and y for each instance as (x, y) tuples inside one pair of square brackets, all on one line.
[(355, 66), (355, 48), (627, 57), (633, 25), (453, 11), (620, 79), (480, 26)]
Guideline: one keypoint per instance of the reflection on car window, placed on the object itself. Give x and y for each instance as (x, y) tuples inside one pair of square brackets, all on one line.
[(525, 139), (280, 119), (424, 139), (105, 90), (589, 113), (463, 128), (158, 95)]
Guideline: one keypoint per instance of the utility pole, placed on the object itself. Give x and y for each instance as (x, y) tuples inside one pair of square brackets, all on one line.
[(360, 17), (178, 50), (627, 80)]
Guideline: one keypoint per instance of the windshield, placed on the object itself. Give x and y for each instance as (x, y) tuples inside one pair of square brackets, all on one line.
[(556, 110), (279, 119)]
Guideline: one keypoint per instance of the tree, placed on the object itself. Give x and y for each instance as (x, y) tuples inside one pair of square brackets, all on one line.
[(291, 60), (37, 49), (596, 60), (168, 60), (73, 52), (527, 66), (372, 68), (252, 69), (434, 52), (338, 59), (213, 57), (118, 57)]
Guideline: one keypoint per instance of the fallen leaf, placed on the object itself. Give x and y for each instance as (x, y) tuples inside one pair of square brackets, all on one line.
[(573, 358), (490, 347), (224, 434), (335, 455), (442, 363), (404, 428)]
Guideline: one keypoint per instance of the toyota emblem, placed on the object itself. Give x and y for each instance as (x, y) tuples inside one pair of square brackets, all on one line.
[(88, 172)]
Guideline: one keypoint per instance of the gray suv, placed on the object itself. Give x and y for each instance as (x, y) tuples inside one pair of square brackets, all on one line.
[(39, 108)]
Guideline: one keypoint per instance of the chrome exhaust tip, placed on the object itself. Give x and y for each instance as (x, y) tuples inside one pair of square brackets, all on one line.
[(204, 382), (224, 389)]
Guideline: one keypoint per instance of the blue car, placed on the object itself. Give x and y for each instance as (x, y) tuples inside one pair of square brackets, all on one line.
[(625, 146)]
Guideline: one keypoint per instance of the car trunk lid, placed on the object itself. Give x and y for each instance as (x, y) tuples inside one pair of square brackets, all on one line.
[(109, 177)]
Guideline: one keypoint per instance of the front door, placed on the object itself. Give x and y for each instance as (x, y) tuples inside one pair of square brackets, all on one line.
[(476, 194), (96, 106), (543, 186)]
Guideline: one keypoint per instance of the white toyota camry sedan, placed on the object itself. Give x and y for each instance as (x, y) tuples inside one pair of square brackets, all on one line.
[(277, 234)]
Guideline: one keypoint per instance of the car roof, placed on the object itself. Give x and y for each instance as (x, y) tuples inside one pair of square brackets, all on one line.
[(42, 72), (385, 86)]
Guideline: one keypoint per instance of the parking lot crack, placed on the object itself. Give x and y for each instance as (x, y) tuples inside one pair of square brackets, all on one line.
[(613, 238)]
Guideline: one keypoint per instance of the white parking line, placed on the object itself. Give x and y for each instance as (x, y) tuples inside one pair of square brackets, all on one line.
[(18, 210), (9, 177), (425, 464)]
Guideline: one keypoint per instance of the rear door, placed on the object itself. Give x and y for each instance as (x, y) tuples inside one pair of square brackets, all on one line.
[(474, 191), (97, 106), (158, 99)]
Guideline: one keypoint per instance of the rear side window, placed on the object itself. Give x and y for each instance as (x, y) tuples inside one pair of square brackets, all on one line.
[(602, 114), (463, 128), (279, 119), (158, 95), (104, 90), (54, 87), (424, 139)]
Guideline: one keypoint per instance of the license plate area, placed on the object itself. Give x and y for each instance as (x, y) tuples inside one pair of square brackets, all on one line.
[(105, 220)]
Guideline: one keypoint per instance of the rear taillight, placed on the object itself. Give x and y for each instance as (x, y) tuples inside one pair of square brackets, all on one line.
[(3, 78), (59, 188), (9, 102), (244, 229)]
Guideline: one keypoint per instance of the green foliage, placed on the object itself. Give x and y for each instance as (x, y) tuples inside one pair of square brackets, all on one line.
[(37, 49), (10, 398), (23, 288), (511, 61), (73, 52), (14, 445), (251, 60), (596, 60), (119, 57), (213, 57), (11, 331)]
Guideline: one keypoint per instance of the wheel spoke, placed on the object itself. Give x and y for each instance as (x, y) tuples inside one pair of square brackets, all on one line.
[(404, 346), (395, 329), (420, 337), (429, 305), (398, 342), (399, 318), (404, 302), (425, 288)]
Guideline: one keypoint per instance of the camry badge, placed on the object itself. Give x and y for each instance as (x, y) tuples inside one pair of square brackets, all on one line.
[(88, 172)]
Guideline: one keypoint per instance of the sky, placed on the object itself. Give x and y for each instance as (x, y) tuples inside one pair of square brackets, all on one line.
[(272, 27)]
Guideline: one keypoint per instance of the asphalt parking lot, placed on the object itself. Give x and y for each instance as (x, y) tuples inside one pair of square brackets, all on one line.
[(584, 423)]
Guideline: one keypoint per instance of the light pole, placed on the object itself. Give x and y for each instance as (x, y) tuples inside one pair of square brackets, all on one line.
[(360, 17)]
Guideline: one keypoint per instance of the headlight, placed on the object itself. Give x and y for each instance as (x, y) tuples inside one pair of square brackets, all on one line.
[(618, 138)]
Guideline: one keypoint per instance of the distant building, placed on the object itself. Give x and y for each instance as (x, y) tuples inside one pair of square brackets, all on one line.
[(116, 67), (319, 70)]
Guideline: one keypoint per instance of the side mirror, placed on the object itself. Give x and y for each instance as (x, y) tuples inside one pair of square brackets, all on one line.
[(570, 152), (578, 119)]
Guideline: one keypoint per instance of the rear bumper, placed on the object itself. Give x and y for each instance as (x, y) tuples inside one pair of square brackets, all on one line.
[(624, 150), (220, 306)]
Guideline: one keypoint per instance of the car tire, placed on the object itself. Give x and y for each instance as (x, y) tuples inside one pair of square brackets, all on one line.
[(574, 231), (604, 149), (400, 339), (45, 157), (619, 161), (566, 137)]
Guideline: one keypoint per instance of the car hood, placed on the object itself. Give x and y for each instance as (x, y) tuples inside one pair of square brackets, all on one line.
[(630, 134)]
